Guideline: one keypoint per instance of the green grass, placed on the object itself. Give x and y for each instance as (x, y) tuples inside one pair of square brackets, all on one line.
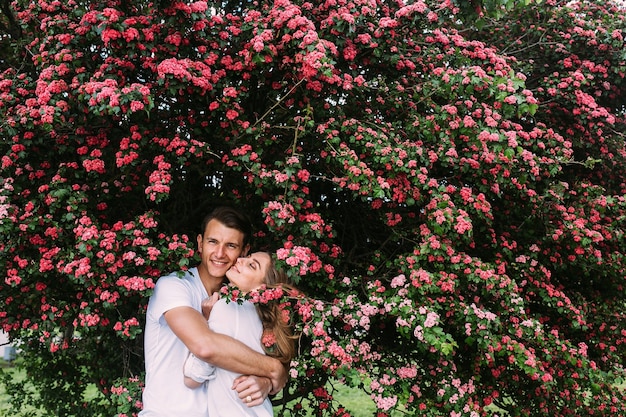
[(19, 375), (357, 402), (4, 398), (6, 367)]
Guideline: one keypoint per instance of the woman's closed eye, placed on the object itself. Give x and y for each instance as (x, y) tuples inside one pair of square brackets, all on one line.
[(253, 264)]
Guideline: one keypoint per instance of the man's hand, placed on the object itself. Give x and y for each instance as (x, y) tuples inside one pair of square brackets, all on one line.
[(279, 381), (252, 390)]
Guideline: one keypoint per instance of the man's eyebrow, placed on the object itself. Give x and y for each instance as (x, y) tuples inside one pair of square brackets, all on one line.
[(217, 240)]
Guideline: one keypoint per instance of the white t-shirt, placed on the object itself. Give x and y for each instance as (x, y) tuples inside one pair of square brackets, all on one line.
[(165, 394), (241, 322)]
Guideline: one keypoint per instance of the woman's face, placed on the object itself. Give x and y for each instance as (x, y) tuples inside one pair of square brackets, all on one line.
[(249, 273)]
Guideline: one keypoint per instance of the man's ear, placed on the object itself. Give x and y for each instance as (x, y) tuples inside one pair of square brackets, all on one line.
[(245, 252)]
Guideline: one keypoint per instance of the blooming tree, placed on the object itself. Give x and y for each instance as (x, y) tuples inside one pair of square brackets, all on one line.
[(445, 180)]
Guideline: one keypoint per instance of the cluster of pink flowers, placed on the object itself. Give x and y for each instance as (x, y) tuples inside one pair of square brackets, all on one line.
[(278, 213), (302, 257), (134, 284), (126, 328), (160, 180)]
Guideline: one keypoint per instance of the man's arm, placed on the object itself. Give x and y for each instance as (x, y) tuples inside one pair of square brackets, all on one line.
[(221, 350)]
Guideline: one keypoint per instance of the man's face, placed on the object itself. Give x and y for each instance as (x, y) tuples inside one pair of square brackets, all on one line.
[(219, 248)]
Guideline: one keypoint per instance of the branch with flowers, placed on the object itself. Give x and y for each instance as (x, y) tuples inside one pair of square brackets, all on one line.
[(451, 202)]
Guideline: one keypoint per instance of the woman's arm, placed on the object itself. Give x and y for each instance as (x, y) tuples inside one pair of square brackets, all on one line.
[(196, 372)]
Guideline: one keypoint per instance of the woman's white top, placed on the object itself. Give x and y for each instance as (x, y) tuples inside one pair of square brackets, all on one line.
[(241, 322)]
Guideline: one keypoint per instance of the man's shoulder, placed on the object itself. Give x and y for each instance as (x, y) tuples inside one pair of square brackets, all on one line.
[(180, 276), (175, 290), (178, 280)]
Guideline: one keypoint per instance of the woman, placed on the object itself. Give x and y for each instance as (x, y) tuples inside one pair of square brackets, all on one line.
[(248, 323)]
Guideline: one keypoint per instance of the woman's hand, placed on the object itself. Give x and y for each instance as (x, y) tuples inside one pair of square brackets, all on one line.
[(252, 390), (208, 303)]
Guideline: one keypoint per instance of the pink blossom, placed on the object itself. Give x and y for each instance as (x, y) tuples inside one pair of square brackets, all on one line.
[(198, 7), (462, 224), (398, 281), (94, 165), (385, 403), (232, 114), (136, 105), (431, 319)]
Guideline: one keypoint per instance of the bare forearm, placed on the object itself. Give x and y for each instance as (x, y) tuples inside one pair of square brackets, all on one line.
[(228, 353), (221, 350)]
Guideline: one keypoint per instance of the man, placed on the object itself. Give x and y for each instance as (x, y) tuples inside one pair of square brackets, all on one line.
[(175, 326)]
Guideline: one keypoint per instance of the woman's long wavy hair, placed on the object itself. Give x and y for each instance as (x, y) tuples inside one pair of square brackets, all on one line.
[(273, 318)]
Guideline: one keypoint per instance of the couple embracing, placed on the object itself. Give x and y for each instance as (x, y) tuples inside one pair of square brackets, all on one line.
[(200, 368)]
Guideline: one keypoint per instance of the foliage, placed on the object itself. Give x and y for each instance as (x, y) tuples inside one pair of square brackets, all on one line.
[(447, 180)]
